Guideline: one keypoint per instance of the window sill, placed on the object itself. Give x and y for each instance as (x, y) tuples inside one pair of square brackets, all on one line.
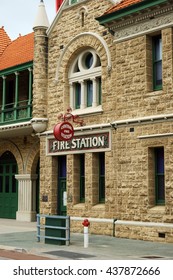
[(100, 206), (157, 209), (154, 93), (79, 205), (88, 111)]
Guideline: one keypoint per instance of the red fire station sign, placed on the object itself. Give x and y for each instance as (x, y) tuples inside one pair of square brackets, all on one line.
[(63, 131)]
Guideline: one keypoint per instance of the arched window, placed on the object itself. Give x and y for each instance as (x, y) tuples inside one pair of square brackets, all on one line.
[(85, 81)]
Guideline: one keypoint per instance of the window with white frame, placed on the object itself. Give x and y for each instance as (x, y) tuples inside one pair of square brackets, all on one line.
[(85, 81), (71, 2)]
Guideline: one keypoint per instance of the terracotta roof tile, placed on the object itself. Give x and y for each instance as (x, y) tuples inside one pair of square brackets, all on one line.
[(18, 52), (4, 40), (121, 5)]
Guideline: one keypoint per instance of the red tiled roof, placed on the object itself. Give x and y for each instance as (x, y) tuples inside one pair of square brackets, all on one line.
[(123, 4), (4, 40), (18, 52)]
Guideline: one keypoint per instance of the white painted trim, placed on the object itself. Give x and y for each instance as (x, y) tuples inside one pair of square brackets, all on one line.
[(118, 123), (155, 135), (99, 220), (16, 125), (82, 128), (143, 224), (121, 222), (26, 176), (139, 120)]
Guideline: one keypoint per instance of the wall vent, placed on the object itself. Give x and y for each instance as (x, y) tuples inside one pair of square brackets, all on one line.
[(161, 234)]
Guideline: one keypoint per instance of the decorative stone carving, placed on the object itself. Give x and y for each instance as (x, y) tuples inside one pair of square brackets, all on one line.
[(143, 24)]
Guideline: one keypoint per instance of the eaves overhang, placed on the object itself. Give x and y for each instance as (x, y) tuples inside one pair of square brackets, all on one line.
[(16, 130), (15, 68), (130, 10)]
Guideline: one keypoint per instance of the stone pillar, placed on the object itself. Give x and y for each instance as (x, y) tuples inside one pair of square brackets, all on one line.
[(41, 24), (26, 197)]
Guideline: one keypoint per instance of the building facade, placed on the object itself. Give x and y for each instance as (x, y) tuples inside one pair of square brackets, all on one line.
[(19, 150), (109, 63)]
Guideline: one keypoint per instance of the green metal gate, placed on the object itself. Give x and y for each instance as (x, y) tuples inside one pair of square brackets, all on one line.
[(8, 186)]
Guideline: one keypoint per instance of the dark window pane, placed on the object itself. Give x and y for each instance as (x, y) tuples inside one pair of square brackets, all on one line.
[(1, 184), (7, 168), (77, 95), (14, 169), (158, 49), (1, 169), (102, 163), (82, 178), (100, 90), (157, 62), (89, 60), (102, 188), (101, 177), (13, 185), (82, 164), (7, 186), (161, 187), (160, 160), (160, 178), (89, 93), (62, 166), (158, 72)]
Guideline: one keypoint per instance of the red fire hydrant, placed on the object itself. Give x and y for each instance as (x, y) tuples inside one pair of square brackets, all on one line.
[(86, 224)]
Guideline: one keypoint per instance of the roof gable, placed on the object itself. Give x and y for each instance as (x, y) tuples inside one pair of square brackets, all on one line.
[(4, 40), (18, 52), (66, 4)]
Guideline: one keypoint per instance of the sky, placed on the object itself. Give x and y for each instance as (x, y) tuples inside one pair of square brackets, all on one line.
[(18, 16)]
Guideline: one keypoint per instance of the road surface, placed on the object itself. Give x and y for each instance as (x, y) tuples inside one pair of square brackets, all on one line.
[(13, 255)]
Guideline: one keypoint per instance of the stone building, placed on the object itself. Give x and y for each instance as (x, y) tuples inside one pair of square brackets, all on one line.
[(110, 61), (19, 151)]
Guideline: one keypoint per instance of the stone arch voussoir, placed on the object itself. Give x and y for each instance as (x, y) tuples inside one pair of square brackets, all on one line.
[(32, 159), (6, 145), (82, 41)]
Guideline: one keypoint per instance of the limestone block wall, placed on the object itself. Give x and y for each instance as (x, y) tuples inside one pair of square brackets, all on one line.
[(66, 33), (126, 94), (134, 94)]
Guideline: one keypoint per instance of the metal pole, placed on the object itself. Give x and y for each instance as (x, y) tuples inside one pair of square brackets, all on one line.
[(38, 228), (68, 231), (86, 237)]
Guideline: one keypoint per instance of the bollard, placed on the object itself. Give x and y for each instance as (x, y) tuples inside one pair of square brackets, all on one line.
[(86, 224)]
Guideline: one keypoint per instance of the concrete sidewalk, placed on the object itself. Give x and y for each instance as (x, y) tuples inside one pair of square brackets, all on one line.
[(21, 236)]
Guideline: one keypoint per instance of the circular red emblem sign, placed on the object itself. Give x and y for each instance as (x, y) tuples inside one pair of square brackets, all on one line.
[(63, 131)]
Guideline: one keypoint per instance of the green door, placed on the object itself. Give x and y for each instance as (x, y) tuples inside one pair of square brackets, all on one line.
[(8, 186), (62, 194), (62, 197)]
